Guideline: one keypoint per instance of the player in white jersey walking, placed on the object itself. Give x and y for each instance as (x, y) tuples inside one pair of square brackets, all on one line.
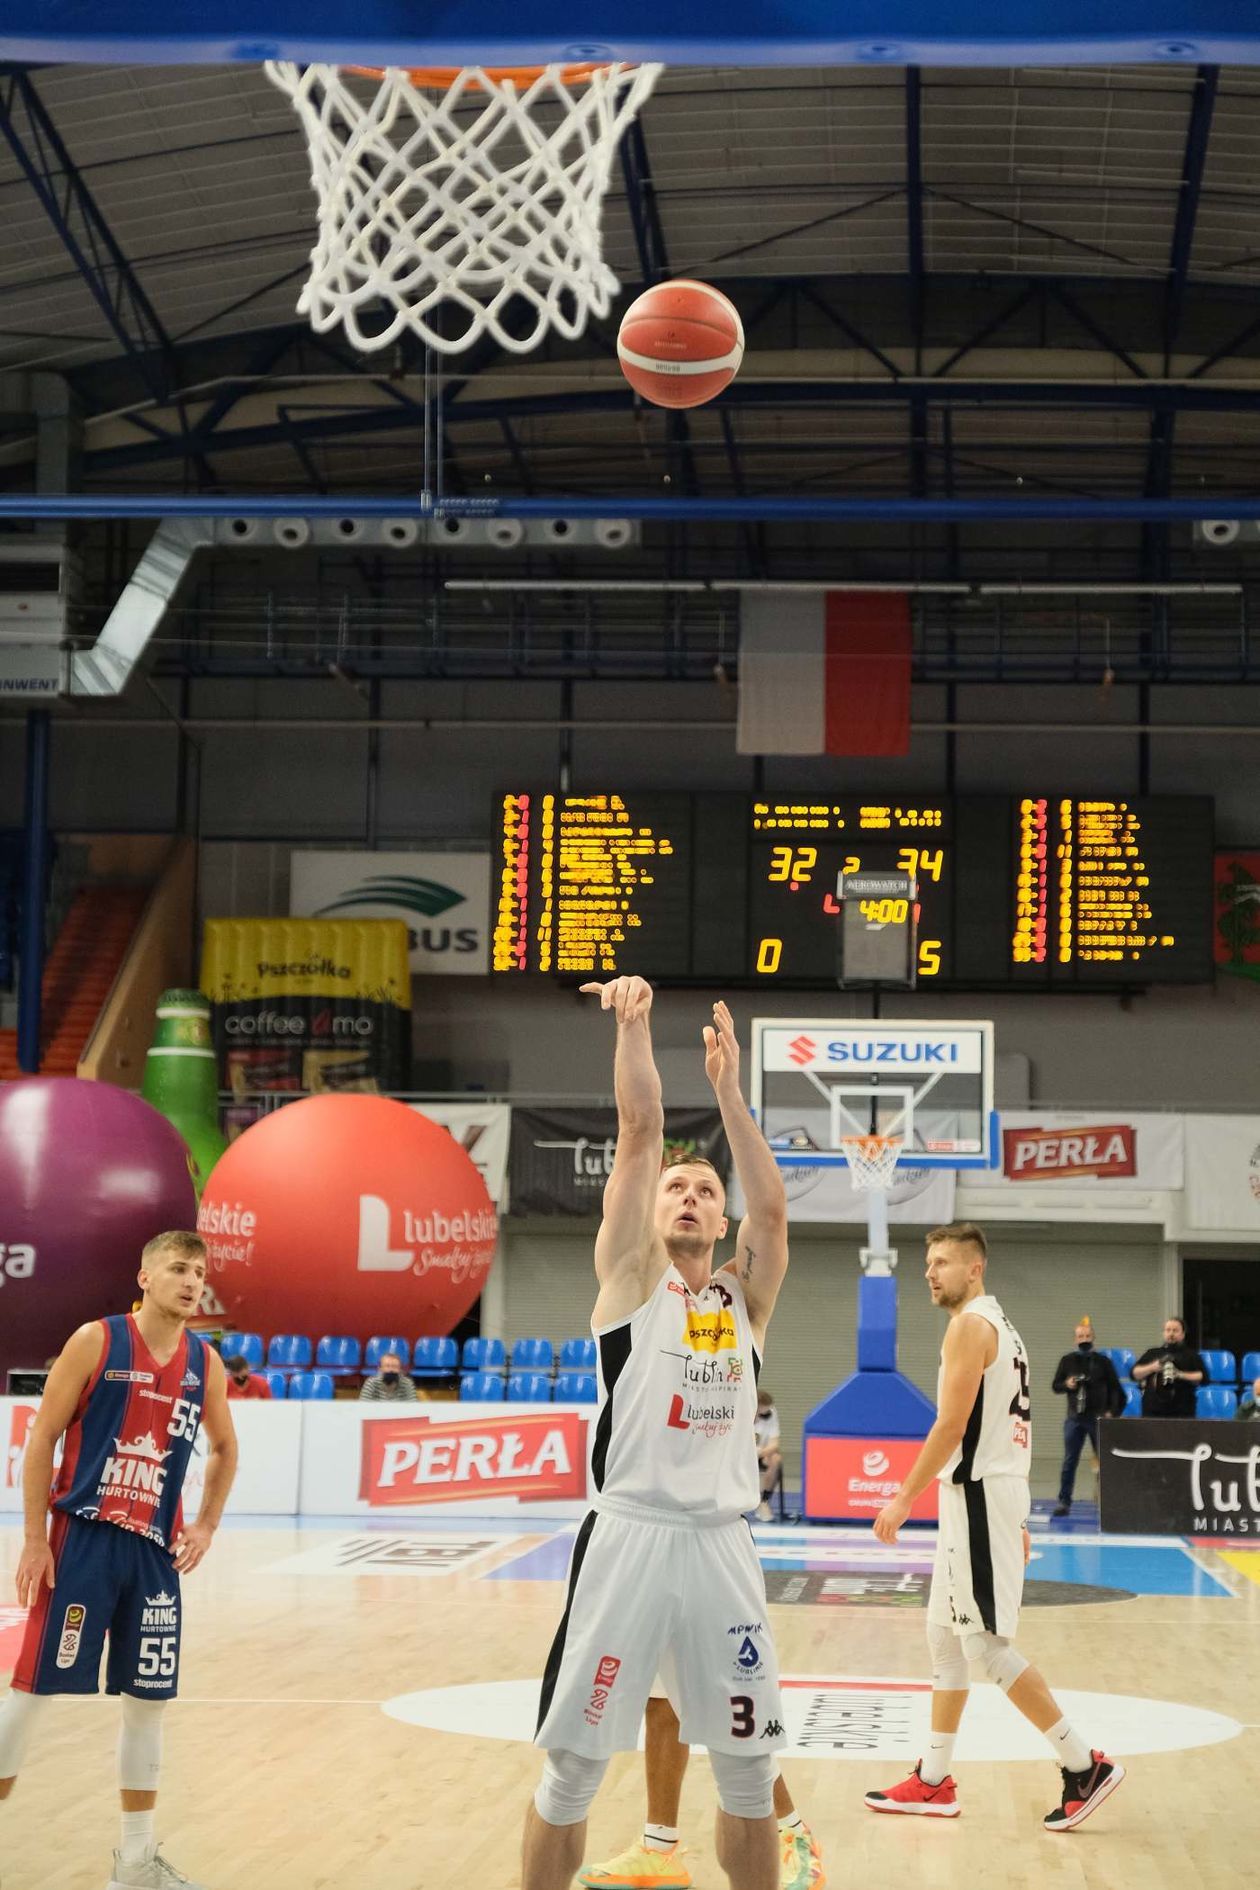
[(980, 1448), (664, 1574)]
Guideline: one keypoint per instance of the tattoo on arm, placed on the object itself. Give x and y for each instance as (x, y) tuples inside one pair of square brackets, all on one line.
[(746, 1269)]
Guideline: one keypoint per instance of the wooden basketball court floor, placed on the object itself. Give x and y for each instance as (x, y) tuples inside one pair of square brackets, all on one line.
[(356, 1705)]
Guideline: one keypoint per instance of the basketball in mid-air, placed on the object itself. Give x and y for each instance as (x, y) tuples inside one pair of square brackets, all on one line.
[(680, 343)]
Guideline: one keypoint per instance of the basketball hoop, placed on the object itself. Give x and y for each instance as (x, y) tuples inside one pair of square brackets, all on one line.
[(464, 188), (872, 1160)]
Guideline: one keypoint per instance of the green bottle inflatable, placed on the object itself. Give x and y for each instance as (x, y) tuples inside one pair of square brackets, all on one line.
[(181, 1078)]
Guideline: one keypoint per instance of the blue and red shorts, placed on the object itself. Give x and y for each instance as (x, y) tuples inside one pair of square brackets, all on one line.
[(109, 1581)]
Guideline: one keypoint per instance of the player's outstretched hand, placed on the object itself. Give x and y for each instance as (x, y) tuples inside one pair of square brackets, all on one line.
[(35, 1567), (721, 1049), (630, 998), (191, 1545)]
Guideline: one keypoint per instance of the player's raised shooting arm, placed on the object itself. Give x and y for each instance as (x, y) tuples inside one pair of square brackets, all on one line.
[(625, 1235), (63, 1388), (761, 1247)]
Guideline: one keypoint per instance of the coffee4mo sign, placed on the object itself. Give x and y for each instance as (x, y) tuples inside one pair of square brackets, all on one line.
[(416, 1460)]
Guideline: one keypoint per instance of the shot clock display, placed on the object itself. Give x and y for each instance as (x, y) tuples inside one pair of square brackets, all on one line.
[(1023, 891)]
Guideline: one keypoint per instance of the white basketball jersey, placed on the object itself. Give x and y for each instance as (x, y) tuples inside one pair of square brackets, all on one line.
[(678, 1402), (998, 1439)]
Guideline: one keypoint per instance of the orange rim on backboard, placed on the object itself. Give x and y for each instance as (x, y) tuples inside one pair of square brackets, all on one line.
[(441, 78)]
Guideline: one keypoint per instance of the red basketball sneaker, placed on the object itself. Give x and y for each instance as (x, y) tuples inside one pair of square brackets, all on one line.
[(1083, 1792), (922, 1801)]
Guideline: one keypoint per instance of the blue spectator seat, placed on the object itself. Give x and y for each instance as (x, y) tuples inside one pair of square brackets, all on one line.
[(435, 1358), (246, 1345), (338, 1354), (311, 1385), (532, 1355), (381, 1342), (1132, 1401), (290, 1352), (481, 1387), (1121, 1356), (484, 1355), (577, 1355), (278, 1382), (529, 1388), (1218, 1401), (1222, 1367), (576, 1388), (1250, 1368)]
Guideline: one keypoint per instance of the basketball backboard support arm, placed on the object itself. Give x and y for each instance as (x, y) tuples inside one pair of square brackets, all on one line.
[(707, 32)]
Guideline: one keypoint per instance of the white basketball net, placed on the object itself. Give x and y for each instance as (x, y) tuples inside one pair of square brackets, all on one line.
[(460, 201), (872, 1160)]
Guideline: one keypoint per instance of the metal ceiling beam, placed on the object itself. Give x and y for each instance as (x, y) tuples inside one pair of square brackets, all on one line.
[(884, 508), (84, 233), (1140, 396), (914, 209), (1193, 164)]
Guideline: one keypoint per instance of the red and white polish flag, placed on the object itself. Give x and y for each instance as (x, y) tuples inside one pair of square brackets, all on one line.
[(824, 673)]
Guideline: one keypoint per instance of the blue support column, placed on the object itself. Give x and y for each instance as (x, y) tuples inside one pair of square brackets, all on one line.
[(34, 889)]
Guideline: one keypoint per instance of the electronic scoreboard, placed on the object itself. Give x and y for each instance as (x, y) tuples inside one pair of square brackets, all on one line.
[(1025, 891)]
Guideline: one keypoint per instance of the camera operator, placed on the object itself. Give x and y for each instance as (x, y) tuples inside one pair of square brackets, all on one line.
[(1170, 1374), (1093, 1390)]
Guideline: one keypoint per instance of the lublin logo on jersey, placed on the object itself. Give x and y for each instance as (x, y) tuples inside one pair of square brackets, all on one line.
[(433, 1241), (17, 1261), (71, 1634)]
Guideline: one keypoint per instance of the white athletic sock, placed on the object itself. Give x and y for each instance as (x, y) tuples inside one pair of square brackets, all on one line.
[(937, 1758), (659, 1837), (1069, 1749), (137, 1836), (793, 1822)]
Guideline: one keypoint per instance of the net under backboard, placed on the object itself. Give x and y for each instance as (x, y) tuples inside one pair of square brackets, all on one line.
[(816, 1080)]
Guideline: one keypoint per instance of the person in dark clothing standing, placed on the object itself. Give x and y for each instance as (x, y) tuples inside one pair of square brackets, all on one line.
[(1170, 1374), (1093, 1390)]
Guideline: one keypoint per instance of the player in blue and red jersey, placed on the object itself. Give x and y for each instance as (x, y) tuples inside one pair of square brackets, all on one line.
[(130, 1394)]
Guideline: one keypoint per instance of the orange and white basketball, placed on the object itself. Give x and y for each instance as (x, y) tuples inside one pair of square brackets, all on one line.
[(680, 343)]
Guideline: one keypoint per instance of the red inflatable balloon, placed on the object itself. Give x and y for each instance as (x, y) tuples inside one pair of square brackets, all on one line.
[(347, 1214)]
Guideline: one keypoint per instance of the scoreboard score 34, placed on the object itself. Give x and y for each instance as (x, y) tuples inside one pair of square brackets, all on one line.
[(1027, 891)]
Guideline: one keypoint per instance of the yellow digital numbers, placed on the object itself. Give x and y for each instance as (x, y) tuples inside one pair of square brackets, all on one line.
[(769, 953), (792, 864)]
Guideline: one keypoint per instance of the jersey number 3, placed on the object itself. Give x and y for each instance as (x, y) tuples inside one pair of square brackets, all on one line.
[(1021, 1404)]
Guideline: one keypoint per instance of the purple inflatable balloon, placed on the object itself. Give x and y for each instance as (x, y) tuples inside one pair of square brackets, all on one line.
[(88, 1173)]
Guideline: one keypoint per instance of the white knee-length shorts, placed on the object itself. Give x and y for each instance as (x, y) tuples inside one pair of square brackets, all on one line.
[(653, 1593), (978, 1575)]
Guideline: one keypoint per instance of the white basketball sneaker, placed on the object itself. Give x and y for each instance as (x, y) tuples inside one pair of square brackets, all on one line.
[(154, 1873)]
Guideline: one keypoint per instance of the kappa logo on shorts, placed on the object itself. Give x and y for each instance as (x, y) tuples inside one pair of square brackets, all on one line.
[(605, 1676), (71, 1634), (772, 1730)]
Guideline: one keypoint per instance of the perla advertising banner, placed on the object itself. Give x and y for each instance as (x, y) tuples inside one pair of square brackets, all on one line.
[(443, 899)]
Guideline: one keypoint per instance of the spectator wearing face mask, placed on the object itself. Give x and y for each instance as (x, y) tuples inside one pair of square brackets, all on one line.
[(1093, 1391), (241, 1382), (1170, 1374), (391, 1384), (769, 1456)]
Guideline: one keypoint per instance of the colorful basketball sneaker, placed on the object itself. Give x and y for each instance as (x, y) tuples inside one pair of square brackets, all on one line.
[(639, 1868), (920, 1800), (1083, 1792), (800, 1861)]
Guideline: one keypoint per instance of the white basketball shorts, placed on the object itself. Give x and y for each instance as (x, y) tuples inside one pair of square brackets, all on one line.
[(652, 1593), (978, 1576)]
